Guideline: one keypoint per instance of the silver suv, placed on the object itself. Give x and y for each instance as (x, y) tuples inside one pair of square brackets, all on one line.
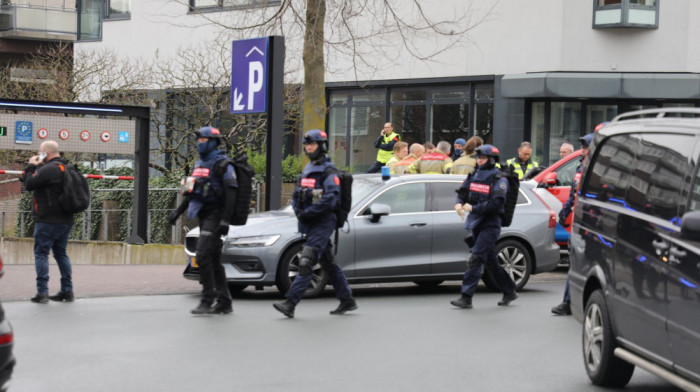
[(635, 249)]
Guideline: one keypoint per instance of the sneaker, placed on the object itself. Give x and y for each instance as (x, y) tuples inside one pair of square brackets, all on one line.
[(220, 308), (563, 309), (286, 308), (464, 302), (346, 305), (508, 298), (63, 296), (202, 308), (40, 298)]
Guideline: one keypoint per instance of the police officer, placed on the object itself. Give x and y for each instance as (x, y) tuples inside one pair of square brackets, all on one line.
[(564, 308), (485, 202), (522, 163), (210, 197), (315, 199)]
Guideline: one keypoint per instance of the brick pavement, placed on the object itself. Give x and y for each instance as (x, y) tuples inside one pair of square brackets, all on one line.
[(19, 281)]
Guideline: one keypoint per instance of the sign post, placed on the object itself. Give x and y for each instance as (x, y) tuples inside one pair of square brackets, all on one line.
[(257, 86)]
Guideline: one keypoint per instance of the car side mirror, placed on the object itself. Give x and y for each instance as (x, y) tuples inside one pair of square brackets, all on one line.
[(550, 179), (690, 226), (378, 210)]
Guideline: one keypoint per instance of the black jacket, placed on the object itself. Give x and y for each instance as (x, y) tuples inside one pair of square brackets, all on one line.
[(45, 181)]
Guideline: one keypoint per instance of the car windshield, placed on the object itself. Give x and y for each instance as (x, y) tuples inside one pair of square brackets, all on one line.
[(362, 186)]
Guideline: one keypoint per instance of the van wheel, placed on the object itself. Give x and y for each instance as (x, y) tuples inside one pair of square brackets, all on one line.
[(602, 366), (516, 260), (288, 269)]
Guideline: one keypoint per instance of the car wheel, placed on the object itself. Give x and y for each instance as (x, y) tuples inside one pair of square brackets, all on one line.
[(288, 269), (602, 366), (516, 260), (235, 288), (428, 283)]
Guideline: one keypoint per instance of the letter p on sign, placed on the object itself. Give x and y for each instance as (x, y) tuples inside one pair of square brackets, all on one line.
[(255, 81)]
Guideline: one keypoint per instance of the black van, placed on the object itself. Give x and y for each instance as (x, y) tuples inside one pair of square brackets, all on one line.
[(635, 249)]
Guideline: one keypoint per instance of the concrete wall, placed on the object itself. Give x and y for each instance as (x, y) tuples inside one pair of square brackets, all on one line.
[(21, 251)]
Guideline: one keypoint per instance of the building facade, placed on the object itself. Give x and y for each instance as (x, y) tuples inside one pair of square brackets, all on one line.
[(545, 71)]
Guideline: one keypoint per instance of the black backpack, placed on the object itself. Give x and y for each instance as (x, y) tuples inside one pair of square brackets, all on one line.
[(244, 178), (76, 191), (345, 204), (511, 196)]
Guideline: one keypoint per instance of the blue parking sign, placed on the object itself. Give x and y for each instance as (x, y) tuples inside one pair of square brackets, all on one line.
[(249, 67), (23, 132), (123, 137)]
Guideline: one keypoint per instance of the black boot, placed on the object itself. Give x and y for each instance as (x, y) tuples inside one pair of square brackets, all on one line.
[(346, 305), (563, 309), (202, 308), (40, 298), (221, 308), (63, 296), (508, 298), (286, 308), (464, 302)]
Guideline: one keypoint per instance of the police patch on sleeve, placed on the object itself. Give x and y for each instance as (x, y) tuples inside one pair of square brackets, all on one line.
[(502, 185)]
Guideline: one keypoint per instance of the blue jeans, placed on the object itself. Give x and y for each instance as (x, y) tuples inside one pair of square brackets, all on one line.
[(48, 236)]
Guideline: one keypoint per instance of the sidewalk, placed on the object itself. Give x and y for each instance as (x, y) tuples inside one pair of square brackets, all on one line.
[(19, 281)]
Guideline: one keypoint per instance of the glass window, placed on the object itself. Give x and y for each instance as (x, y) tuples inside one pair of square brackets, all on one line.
[(483, 121), (444, 195), (117, 9), (596, 114), (231, 4), (610, 176), (404, 199), (537, 127), (408, 95), (409, 122), (366, 124), (564, 127), (483, 93), (337, 134), (90, 20), (567, 172), (660, 174), (449, 122)]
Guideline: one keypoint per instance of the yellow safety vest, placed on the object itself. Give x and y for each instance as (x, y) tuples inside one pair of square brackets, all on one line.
[(519, 168), (383, 156)]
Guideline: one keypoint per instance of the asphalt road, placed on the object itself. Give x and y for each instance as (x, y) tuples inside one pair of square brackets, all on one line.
[(402, 338)]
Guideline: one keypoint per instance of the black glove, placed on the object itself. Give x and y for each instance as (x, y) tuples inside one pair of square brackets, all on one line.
[(223, 227), (172, 218), (562, 222), (301, 215)]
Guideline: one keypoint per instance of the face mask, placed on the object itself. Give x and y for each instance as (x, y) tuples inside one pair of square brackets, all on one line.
[(42, 156)]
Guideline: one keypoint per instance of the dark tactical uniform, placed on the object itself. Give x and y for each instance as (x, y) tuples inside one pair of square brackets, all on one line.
[(211, 195), (315, 199), (487, 195)]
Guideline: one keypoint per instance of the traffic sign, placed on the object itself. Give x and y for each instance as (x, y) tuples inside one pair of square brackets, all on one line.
[(85, 135), (64, 134), (249, 68), (43, 133), (105, 136)]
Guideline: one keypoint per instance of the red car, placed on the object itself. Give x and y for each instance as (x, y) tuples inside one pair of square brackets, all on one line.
[(558, 178)]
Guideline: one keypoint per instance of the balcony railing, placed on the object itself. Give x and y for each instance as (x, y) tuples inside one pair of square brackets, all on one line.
[(43, 19)]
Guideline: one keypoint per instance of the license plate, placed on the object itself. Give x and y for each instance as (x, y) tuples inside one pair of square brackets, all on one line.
[(193, 262)]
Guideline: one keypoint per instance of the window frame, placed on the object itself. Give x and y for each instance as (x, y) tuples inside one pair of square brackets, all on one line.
[(624, 8), (106, 15), (251, 4)]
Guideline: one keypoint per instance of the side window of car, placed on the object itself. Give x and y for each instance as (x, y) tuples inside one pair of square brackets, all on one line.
[(611, 172), (444, 195), (404, 198), (660, 174), (566, 173)]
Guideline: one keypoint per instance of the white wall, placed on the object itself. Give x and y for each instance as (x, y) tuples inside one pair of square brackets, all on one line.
[(515, 37)]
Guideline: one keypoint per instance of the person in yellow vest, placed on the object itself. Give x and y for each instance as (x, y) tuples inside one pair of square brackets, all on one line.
[(522, 163), (416, 151), (437, 162), (400, 152), (385, 143), (466, 164)]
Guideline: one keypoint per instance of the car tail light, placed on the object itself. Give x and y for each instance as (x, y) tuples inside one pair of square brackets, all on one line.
[(6, 338), (552, 215)]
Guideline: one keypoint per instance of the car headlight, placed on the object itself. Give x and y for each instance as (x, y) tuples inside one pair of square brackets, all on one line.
[(251, 242)]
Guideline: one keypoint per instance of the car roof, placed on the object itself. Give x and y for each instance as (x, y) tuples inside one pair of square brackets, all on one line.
[(675, 120), (406, 178)]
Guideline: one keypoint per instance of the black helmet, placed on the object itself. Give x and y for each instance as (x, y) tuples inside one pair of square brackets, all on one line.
[(320, 137), (209, 132), (488, 150)]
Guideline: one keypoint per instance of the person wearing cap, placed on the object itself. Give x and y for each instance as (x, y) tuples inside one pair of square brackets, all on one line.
[(466, 164), (522, 163), (483, 196), (314, 200), (564, 308), (385, 146), (458, 148), (210, 195)]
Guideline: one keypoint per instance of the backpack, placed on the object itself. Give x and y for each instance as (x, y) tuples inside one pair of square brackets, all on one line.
[(76, 190), (244, 178), (345, 204), (512, 195)]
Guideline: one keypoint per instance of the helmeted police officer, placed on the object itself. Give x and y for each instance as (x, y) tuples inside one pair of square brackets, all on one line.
[(210, 197), (485, 202), (315, 199)]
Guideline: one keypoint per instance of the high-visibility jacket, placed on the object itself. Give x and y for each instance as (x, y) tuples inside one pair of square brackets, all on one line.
[(432, 163), (521, 167), (402, 166), (392, 164), (385, 144), (464, 165)]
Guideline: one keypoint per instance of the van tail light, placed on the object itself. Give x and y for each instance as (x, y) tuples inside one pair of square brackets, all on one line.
[(552, 215)]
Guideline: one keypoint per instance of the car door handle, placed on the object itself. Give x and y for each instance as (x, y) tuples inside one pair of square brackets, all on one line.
[(660, 246), (676, 254), (414, 224)]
